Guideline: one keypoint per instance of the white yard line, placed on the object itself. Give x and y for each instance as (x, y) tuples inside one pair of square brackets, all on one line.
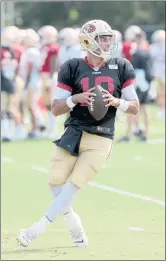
[(107, 188), (127, 193), (156, 141), (111, 189), (4, 160), (136, 228)]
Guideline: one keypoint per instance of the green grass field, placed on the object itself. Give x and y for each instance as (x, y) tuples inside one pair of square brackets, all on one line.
[(108, 216)]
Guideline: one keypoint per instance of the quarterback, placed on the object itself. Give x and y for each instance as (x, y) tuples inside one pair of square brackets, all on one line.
[(86, 142)]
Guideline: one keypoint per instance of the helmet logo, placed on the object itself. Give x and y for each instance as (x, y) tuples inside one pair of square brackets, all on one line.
[(89, 28)]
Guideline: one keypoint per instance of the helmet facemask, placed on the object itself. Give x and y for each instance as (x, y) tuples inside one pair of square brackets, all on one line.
[(103, 45), (106, 45)]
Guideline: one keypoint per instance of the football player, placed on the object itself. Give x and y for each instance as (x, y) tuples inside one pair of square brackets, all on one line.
[(17, 48), (49, 66), (9, 67), (129, 42), (29, 71), (86, 143), (158, 56), (142, 63), (70, 46)]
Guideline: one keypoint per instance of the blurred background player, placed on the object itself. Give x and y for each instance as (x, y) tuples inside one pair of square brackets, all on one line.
[(49, 49), (29, 71), (129, 41), (142, 63), (69, 45), (9, 82), (158, 56)]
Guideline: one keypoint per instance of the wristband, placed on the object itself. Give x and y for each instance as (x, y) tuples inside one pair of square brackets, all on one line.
[(123, 105), (69, 102)]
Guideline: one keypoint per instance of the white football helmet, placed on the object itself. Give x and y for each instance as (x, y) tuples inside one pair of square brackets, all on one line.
[(158, 36), (90, 34), (20, 36), (131, 32), (48, 34), (11, 29), (10, 35), (7, 38), (67, 36), (118, 36), (30, 38)]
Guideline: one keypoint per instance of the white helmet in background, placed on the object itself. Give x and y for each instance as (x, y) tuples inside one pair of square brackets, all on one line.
[(77, 34), (10, 34), (7, 38), (11, 29), (118, 36), (90, 38), (30, 38), (158, 36), (67, 36), (131, 32), (20, 36), (48, 34)]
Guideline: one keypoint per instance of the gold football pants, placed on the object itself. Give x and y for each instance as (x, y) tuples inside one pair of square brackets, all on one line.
[(94, 150)]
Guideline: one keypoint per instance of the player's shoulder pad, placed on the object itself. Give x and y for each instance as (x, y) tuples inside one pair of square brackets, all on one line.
[(122, 61), (124, 64), (71, 64), (74, 61)]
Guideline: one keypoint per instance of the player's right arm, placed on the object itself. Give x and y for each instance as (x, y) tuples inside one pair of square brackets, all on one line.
[(64, 100)]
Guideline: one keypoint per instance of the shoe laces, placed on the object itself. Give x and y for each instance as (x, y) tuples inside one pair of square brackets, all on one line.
[(76, 233)]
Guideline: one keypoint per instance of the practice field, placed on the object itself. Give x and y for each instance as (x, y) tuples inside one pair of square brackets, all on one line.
[(123, 209)]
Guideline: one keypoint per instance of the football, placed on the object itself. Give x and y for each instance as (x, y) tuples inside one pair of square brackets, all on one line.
[(97, 107)]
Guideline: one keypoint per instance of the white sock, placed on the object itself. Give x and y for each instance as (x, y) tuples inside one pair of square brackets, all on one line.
[(137, 128), (55, 190), (6, 130), (40, 118), (43, 224), (51, 122), (62, 201)]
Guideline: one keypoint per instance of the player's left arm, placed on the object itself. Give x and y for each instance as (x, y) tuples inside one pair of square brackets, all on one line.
[(54, 60), (149, 68), (32, 57), (128, 102), (29, 73), (54, 64)]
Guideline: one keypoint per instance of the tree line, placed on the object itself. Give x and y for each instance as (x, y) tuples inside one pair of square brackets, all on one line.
[(119, 14)]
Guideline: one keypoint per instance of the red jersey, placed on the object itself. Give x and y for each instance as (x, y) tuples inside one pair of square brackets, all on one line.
[(48, 51), (18, 50), (127, 48)]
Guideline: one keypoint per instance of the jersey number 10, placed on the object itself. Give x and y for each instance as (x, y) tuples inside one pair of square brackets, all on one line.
[(98, 81)]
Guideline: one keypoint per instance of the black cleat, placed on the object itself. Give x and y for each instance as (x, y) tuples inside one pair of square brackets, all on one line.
[(124, 139), (5, 139), (139, 133), (143, 139)]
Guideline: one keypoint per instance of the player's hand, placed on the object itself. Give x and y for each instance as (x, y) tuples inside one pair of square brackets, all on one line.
[(110, 100), (85, 97)]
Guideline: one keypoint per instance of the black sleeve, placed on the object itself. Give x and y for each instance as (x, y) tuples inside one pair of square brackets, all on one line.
[(142, 59), (127, 73), (65, 75), (136, 61), (149, 68)]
